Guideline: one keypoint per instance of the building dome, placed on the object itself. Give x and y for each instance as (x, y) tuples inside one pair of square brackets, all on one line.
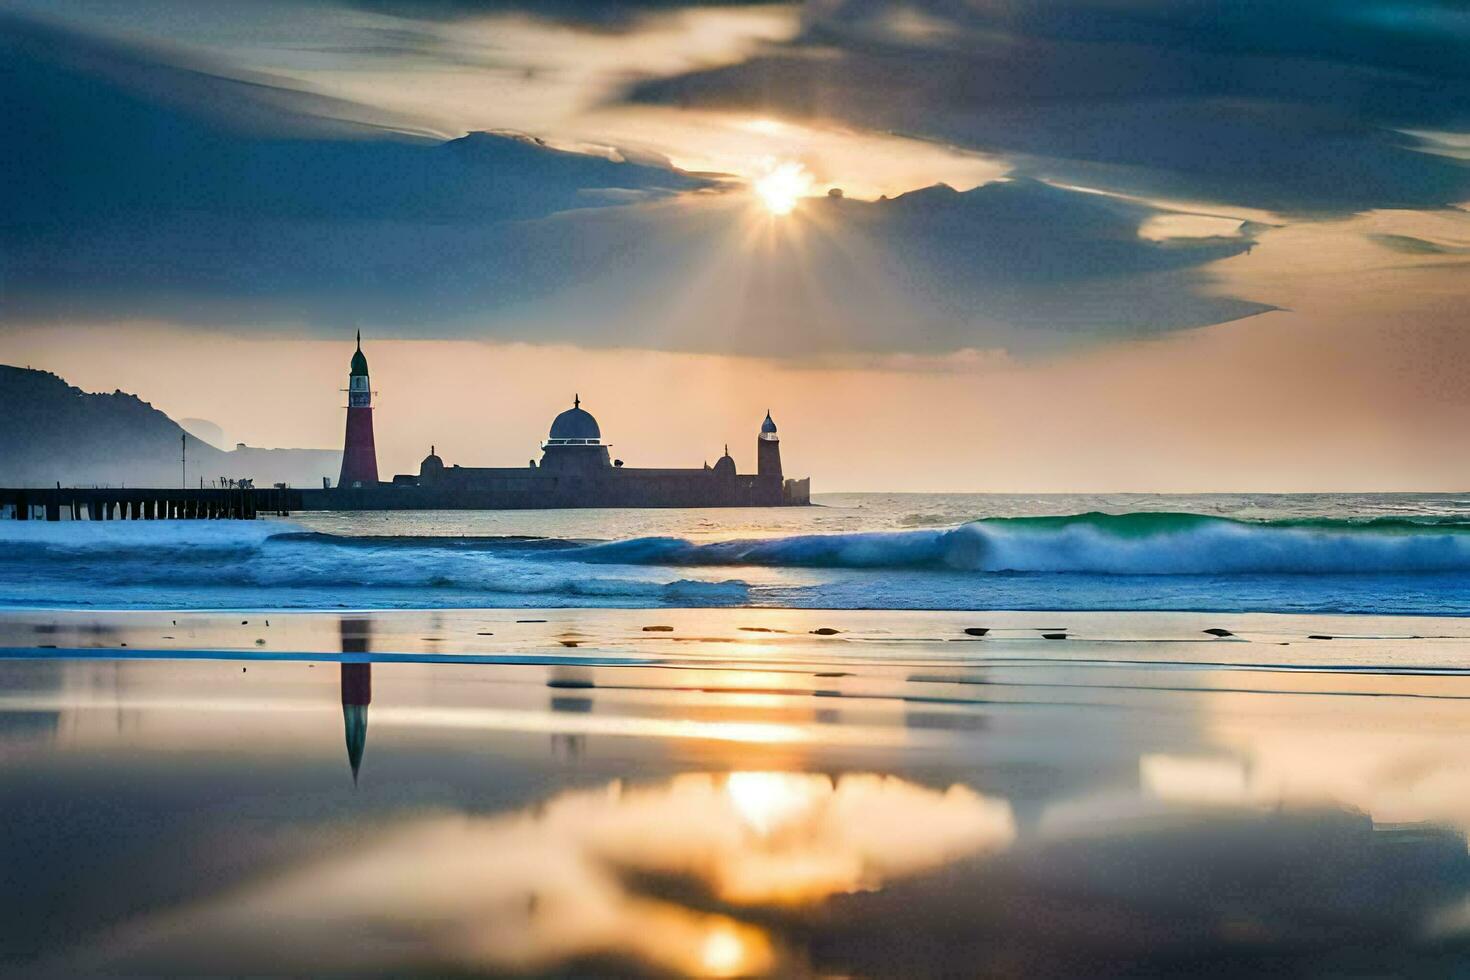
[(575, 423), (768, 427), (359, 361), (431, 464), (725, 465)]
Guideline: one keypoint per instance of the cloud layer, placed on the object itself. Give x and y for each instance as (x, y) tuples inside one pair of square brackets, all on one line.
[(1296, 108), (598, 14), (129, 194)]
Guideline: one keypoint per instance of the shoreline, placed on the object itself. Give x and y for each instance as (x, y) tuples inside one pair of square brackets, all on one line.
[(744, 635), (730, 773), (832, 610)]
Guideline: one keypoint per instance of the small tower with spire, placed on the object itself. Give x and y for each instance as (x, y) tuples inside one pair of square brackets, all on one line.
[(359, 454), (768, 451)]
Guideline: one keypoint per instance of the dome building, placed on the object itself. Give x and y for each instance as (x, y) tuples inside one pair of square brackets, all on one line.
[(724, 468), (575, 426), (432, 466), (575, 442)]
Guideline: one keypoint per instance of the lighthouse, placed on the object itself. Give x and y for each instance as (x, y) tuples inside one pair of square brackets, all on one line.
[(359, 456), (768, 451)]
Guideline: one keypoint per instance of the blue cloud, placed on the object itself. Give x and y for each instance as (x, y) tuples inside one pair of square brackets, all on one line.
[(1297, 107), (97, 133), (127, 194), (597, 14)]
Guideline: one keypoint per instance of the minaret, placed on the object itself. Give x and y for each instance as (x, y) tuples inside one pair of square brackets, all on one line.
[(768, 451), (359, 456)]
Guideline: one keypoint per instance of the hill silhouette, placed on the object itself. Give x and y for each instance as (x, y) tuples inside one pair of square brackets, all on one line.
[(56, 433)]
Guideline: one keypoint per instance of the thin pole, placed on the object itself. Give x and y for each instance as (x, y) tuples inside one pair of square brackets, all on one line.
[(183, 461)]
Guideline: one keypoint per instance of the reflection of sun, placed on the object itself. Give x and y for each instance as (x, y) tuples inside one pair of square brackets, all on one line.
[(780, 188), (459, 886), (724, 953), (765, 800)]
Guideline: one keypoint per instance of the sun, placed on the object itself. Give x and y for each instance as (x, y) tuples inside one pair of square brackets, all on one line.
[(782, 186)]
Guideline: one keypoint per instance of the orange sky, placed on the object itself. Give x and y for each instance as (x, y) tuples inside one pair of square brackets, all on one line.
[(910, 361), (1332, 394)]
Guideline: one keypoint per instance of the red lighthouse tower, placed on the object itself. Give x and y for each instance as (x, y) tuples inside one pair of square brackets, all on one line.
[(359, 455)]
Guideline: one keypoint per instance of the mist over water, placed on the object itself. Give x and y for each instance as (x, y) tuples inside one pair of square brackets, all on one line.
[(1300, 553)]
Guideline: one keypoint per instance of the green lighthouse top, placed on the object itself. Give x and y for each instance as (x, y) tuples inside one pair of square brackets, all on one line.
[(359, 362)]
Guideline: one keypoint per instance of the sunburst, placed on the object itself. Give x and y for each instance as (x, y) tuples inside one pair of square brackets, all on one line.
[(782, 186)]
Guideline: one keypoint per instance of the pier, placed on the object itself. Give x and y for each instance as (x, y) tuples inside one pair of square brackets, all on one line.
[(148, 503)]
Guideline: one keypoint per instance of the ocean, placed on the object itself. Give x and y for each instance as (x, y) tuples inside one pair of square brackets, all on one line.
[(1005, 736), (1297, 553)]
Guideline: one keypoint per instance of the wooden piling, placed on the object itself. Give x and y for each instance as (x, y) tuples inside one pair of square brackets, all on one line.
[(126, 504)]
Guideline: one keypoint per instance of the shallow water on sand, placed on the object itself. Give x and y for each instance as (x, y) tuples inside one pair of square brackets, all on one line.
[(727, 792)]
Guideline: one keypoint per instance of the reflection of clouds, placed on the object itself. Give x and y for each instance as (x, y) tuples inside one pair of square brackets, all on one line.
[(1394, 772), (541, 887), (1196, 779), (779, 837)]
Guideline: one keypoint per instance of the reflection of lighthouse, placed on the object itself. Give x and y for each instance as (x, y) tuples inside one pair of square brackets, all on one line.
[(357, 690), (359, 455)]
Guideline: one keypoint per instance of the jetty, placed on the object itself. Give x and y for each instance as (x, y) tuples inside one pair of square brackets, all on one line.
[(147, 503)]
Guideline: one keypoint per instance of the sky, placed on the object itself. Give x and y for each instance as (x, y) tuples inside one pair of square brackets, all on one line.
[(1072, 245)]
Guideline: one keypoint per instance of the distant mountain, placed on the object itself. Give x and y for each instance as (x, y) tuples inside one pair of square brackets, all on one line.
[(52, 432), (204, 429)]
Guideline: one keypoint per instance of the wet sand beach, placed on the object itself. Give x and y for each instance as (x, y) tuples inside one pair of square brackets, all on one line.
[(732, 791)]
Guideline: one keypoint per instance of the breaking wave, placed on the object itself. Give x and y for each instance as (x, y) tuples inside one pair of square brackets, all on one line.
[(1106, 544), (1086, 561), (220, 562)]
